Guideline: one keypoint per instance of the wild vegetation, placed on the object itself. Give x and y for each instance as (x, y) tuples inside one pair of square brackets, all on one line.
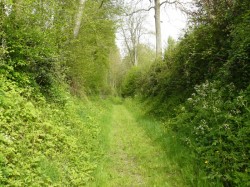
[(201, 90), (49, 136), (63, 117)]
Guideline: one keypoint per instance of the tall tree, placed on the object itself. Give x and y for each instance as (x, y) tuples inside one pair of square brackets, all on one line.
[(79, 18), (157, 4), (157, 8), (132, 30)]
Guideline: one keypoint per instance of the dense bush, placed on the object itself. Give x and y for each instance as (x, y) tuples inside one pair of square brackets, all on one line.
[(214, 123), (30, 40), (37, 41), (45, 144), (238, 63), (130, 83)]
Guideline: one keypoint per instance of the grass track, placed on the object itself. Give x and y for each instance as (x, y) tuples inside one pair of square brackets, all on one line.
[(132, 158)]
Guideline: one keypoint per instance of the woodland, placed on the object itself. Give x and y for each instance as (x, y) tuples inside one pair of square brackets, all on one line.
[(75, 112)]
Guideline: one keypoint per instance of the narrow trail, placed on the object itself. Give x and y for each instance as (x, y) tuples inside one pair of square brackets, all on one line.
[(124, 169), (132, 158)]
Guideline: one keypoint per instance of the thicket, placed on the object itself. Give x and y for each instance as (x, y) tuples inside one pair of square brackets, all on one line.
[(46, 144), (201, 90), (48, 137)]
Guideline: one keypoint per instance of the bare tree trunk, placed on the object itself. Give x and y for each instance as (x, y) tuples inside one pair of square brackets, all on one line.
[(126, 40), (158, 29), (79, 18), (135, 56), (132, 30)]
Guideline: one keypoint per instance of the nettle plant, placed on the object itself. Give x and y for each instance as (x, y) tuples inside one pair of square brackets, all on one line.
[(216, 120)]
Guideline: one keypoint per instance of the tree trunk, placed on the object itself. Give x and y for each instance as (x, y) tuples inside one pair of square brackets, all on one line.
[(158, 29), (79, 18), (135, 56)]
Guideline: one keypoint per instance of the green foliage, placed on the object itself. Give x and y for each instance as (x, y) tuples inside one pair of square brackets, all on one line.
[(211, 61), (32, 36), (214, 123), (47, 137), (45, 144), (133, 75), (37, 43), (146, 56), (219, 44), (116, 71), (89, 60), (170, 51), (130, 83), (239, 67)]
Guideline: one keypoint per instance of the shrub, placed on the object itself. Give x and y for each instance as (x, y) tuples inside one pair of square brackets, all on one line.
[(130, 83), (214, 123), (45, 144), (238, 65)]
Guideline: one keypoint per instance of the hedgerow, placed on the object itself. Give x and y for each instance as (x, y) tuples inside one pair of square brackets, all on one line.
[(214, 124), (201, 91)]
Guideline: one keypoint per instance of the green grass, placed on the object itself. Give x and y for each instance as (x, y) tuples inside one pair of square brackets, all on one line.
[(177, 156), (104, 121), (132, 158)]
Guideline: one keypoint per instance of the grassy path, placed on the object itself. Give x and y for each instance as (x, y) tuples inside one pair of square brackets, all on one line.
[(132, 158)]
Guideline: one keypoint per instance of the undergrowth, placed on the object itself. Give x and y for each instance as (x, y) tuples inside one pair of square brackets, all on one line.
[(44, 143), (207, 135), (182, 159), (214, 124)]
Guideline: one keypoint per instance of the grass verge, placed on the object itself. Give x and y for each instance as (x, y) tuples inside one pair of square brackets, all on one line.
[(178, 158)]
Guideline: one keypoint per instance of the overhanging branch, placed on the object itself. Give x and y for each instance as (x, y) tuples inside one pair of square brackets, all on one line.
[(140, 10), (153, 7), (169, 2)]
